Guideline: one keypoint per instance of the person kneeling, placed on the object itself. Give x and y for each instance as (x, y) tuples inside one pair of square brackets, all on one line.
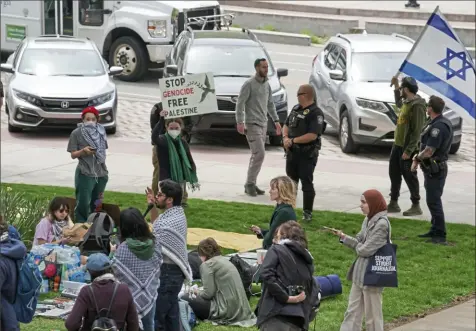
[(223, 299)]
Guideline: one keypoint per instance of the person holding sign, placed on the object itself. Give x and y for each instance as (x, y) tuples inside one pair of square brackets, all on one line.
[(375, 231), (176, 161), (254, 104)]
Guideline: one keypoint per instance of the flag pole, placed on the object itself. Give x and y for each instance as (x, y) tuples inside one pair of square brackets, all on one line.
[(418, 39)]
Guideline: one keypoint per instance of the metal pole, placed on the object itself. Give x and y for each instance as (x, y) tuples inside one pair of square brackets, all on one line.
[(56, 17), (61, 16)]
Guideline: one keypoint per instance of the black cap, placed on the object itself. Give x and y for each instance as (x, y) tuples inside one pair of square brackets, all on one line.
[(410, 83)]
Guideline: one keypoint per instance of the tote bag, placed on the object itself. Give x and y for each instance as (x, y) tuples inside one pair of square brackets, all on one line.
[(382, 268)]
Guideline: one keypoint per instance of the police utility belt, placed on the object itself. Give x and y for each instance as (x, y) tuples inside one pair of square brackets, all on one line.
[(433, 166), (311, 149)]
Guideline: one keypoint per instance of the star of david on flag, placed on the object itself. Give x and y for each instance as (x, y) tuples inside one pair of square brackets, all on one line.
[(442, 66)]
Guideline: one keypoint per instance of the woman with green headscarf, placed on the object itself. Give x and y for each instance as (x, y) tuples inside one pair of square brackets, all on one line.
[(175, 160)]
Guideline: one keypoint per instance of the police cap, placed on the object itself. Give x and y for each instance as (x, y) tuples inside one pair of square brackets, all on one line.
[(410, 83)]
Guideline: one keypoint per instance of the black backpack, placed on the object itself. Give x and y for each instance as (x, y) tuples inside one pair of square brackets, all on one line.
[(103, 322), (97, 239), (245, 271)]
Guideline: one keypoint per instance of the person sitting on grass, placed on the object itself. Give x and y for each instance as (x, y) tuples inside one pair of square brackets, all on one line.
[(223, 299), (104, 292), (283, 191), (176, 161), (50, 228), (88, 144), (12, 250)]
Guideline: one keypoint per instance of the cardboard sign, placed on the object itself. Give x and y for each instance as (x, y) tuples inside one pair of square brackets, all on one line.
[(188, 95)]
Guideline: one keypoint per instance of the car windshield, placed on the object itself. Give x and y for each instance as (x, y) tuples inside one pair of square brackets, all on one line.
[(61, 62), (225, 60), (376, 67)]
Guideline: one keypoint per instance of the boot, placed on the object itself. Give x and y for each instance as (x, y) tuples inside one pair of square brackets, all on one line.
[(306, 216), (259, 191), (413, 211), (250, 189), (438, 241), (429, 234), (393, 207)]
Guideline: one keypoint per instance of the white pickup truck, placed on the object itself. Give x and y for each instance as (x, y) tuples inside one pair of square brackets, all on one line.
[(136, 35)]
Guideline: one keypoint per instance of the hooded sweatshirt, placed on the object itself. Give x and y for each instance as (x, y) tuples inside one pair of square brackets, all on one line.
[(286, 264), (410, 122), (11, 251)]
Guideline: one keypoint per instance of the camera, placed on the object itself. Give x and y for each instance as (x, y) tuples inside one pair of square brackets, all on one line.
[(294, 290)]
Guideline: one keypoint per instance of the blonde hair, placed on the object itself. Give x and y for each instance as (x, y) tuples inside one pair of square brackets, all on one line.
[(286, 189)]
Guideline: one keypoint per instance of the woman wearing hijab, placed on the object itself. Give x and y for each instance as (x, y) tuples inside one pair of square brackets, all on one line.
[(176, 162), (88, 144), (366, 300)]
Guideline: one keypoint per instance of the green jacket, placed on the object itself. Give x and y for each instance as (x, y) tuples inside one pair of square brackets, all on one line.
[(282, 213), (410, 122), (222, 285)]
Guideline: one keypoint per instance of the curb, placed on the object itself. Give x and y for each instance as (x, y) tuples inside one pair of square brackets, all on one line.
[(280, 37)]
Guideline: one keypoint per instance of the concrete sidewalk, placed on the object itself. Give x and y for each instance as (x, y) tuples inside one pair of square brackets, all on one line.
[(339, 182)]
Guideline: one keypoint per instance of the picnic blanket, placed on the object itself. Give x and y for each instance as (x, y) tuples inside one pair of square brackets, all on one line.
[(237, 241)]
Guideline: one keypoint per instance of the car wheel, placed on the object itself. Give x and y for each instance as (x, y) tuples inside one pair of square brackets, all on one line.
[(111, 130), (346, 142), (276, 140), (455, 147), (129, 53)]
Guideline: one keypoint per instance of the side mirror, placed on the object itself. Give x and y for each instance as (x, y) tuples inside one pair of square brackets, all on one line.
[(6, 67), (172, 70), (336, 74), (114, 71), (282, 73), (107, 11)]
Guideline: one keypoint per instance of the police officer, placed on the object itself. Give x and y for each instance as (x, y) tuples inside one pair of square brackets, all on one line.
[(435, 145), (302, 141)]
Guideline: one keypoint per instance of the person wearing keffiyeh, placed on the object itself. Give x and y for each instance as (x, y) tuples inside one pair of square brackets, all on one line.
[(50, 228), (176, 161), (88, 144)]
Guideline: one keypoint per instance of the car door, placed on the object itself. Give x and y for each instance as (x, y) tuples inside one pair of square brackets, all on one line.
[(335, 86), (317, 79), (329, 63)]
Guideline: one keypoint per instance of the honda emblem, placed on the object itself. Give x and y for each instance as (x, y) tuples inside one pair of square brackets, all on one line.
[(65, 104)]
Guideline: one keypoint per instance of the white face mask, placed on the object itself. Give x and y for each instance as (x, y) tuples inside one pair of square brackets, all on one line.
[(173, 133), (90, 124)]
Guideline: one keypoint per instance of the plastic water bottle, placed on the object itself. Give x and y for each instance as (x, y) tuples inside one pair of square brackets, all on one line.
[(44, 286)]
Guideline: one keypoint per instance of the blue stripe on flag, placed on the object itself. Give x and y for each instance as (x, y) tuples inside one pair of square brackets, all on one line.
[(438, 23), (439, 85)]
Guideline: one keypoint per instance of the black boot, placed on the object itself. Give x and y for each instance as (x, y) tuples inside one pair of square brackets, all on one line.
[(259, 191), (308, 203), (250, 189), (429, 234)]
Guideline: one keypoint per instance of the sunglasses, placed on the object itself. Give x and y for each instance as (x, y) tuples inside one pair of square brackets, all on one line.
[(63, 210)]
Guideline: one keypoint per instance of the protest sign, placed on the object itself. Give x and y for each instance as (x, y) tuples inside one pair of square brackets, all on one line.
[(188, 95)]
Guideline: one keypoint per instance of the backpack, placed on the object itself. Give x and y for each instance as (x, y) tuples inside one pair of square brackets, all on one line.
[(195, 263), (96, 240), (28, 289), (187, 317), (104, 323), (245, 271)]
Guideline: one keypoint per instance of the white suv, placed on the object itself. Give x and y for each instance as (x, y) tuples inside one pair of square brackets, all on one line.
[(351, 78), (51, 79)]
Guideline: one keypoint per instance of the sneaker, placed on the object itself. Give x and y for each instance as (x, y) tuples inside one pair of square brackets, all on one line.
[(250, 189), (438, 241), (393, 207), (429, 234), (307, 216), (413, 211), (259, 191)]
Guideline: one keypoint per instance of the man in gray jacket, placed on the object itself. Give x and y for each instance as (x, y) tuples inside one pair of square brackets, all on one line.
[(254, 103)]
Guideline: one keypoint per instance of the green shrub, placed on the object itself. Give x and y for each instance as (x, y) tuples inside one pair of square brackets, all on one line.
[(22, 212)]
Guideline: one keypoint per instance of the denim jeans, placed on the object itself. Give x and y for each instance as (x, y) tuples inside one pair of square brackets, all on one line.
[(167, 313), (148, 321)]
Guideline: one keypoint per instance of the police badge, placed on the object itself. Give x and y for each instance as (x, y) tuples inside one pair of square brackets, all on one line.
[(306, 111)]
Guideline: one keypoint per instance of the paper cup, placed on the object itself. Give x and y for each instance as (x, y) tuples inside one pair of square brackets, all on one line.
[(260, 254)]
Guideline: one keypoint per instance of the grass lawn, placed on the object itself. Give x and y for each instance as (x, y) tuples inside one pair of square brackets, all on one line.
[(429, 275)]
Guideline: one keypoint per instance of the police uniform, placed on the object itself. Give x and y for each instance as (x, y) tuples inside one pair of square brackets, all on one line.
[(438, 134), (301, 159)]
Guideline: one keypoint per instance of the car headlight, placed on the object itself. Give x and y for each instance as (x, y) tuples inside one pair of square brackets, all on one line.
[(99, 100), (28, 98), (157, 28), (371, 105), (280, 96)]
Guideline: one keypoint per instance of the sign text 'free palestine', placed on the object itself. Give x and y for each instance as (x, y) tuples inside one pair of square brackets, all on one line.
[(188, 95)]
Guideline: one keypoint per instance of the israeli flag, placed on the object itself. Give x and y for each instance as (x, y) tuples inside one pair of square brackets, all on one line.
[(442, 66)]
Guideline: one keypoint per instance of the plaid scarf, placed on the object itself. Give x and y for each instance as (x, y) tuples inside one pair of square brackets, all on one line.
[(171, 230), (180, 167), (96, 138), (142, 277)]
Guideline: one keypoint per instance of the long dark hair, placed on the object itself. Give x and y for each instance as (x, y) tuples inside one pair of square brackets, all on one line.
[(133, 225), (56, 204)]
